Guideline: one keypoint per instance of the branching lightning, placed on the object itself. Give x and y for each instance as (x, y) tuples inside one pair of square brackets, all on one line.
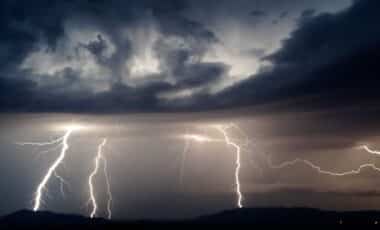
[(52, 170), (286, 164), (42, 189), (100, 157), (320, 170), (63, 182), (56, 141)]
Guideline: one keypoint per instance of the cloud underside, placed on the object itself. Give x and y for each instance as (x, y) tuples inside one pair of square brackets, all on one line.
[(101, 57)]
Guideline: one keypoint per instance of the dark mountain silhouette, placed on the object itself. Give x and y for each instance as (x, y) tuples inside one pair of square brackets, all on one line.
[(26, 217), (260, 216), (291, 216)]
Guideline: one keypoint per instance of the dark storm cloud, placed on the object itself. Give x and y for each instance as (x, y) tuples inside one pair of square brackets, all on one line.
[(25, 25), (258, 13), (326, 55), (179, 63), (330, 57), (257, 52), (284, 14), (200, 74), (21, 25), (97, 47), (308, 13)]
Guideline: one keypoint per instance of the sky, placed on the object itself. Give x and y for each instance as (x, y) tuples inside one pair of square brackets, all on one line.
[(298, 77)]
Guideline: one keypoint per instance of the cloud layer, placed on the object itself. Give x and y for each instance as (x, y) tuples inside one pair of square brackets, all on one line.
[(98, 56)]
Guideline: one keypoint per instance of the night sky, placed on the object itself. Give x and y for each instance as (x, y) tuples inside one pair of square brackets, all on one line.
[(300, 79)]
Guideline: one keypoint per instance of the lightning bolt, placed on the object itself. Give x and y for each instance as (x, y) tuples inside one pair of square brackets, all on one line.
[(52, 169), (109, 193), (326, 172), (230, 142), (63, 182), (371, 151), (56, 141), (90, 179), (237, 163), (100, 157), (320, 170)]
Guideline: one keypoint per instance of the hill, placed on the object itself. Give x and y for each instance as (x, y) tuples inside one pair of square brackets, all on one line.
[(262, 216)]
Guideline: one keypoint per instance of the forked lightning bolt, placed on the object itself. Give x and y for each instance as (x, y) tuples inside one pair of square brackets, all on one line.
[(320, 170), (99, 157), (52, 170), (326, 172)]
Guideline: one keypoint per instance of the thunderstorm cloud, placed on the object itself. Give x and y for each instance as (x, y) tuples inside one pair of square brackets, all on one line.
[(96, 56)]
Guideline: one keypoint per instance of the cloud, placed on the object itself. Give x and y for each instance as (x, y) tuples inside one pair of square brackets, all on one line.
[(91, 51), (258, 13), (330, 57), (257, 52), (284, 14)]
